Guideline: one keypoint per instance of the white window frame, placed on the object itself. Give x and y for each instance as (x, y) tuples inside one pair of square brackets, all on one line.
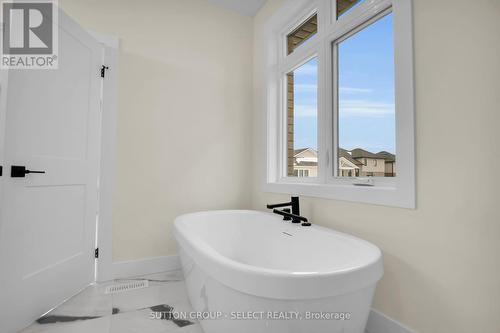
[(396, 191)]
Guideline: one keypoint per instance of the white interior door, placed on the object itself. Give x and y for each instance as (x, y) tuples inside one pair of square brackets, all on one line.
[(48, 221)]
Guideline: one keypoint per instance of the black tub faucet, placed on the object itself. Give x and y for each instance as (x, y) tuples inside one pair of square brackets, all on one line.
[(294, 203), (287, 216)]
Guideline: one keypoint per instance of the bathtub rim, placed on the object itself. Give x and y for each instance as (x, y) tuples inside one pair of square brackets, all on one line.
[(275, 283)]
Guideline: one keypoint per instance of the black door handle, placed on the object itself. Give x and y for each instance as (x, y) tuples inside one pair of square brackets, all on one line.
[(18, 171)]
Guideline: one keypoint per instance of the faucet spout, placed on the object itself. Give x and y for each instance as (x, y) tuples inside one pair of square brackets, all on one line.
[(279, 205)]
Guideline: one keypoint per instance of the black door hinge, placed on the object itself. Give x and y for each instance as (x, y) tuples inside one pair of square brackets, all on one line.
[(103, 70), (96, 253)]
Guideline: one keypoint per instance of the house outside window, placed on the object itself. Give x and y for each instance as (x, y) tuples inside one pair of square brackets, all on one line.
[(355, 163)]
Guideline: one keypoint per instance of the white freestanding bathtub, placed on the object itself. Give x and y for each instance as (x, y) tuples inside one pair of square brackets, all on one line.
[(249, 272)]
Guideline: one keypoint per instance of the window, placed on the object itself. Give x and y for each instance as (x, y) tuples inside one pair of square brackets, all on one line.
[(345, 6), (340, 101), (302, 117), (365, 90), (301, 173), (302, 34)]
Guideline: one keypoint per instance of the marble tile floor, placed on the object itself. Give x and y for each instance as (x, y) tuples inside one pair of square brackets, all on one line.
[(94, 311)]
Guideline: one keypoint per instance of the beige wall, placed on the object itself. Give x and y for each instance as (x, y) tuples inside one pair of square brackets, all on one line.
[(185, 85), (442, 260)]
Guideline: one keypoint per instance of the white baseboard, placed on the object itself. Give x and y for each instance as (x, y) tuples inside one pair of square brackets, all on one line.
[(380, 323), (127, 269)]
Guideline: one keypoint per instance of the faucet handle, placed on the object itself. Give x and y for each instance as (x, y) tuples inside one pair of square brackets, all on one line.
[(287, 218)]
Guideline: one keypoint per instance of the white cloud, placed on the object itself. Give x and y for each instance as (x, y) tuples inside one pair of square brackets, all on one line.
[(365, 108), (352, 90), (350, 108)]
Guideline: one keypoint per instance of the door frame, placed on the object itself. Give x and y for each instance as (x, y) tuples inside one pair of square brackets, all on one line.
[(4, 78), (4, 74), (109, 99)]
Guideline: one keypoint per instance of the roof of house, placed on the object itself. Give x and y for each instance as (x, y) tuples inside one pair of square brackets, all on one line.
[(345, 154), (384, 155), (388, 157), (301, 150), (361, 153)]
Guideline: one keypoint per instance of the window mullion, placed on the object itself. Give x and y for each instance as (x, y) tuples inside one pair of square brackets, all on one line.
[(323, 160), (333, 122), (299, 57)]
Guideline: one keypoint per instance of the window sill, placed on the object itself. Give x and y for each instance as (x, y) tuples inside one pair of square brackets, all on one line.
[(376, 195)]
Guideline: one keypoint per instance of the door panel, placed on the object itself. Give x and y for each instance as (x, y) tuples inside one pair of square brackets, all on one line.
[(47, 228), (45, 246)]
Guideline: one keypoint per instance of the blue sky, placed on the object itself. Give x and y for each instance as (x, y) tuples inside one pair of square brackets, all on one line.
[(366, 96)]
